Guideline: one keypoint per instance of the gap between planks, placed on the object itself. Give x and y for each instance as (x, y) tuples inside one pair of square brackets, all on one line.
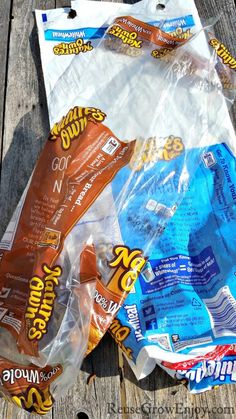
[(5, 40)]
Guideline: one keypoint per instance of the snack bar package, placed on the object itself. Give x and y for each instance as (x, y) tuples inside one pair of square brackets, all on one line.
[(184, 301), (47, 290)]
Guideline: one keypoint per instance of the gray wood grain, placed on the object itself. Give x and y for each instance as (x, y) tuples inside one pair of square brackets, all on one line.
[(104, 388), (225, 28), (5, 21), (26, 120)]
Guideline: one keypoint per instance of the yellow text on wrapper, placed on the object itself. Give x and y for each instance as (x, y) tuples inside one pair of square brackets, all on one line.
[(71, 126), (73, 48), (41, 301), (34, 401), (129, 38), (223, 53), (129, 264), (150, 151), (120, 333)]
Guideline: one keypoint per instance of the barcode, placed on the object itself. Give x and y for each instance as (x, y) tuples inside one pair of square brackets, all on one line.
[(191, 342), (222, 312), (209, 159), (111, 146)]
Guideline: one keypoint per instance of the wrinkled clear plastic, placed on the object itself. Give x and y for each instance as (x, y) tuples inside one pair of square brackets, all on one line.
[(155, 101), (175, 107)]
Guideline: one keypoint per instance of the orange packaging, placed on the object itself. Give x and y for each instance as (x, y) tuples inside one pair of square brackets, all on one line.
[(52, 310), (72, 171)]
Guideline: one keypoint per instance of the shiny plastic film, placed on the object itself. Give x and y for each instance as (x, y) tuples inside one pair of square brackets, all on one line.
[(140, 130), (194, 73), (154, 85), (182, 308)]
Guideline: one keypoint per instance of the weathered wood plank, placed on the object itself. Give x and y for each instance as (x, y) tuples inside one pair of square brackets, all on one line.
[(92, 399), (225, 28), (26, 119), (5, 22), (162, 397)]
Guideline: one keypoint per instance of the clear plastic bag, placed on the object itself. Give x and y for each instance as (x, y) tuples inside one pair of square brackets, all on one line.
[(173, 128), (175, 313)]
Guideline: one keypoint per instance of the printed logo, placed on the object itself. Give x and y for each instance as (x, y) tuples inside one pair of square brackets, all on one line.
[(147, 311), (178, 33), (134, 321), (73, 48), (152, 150), (160, 53), (181, 33), (151, 324), (175, 338), (50, 238), (208, 159), (196, 303), (35, 401), (218, 370), (128, 264), (111, 146), (74, 124), (128, 38), (223, 53), (41, 301)]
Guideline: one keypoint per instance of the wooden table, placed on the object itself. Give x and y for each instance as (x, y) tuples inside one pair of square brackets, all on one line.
[(23, 129)]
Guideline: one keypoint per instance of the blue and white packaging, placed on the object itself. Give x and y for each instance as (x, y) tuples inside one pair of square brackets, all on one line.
[(208, 374), (184, 302)]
